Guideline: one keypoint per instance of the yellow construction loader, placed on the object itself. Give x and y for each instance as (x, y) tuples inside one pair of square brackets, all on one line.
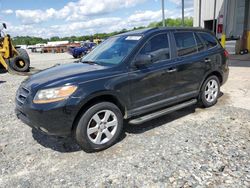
[(12, 58)]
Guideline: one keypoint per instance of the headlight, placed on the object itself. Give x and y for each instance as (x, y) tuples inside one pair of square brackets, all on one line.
[(54, 94)]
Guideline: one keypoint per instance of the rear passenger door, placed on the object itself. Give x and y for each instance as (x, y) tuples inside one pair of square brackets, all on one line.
[(190, 66), (212, 56)]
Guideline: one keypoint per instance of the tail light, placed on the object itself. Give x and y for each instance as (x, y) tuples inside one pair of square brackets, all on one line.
[(226, 54), (219, 28), (220, 24)]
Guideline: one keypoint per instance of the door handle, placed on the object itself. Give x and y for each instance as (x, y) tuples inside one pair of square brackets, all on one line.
[(171, 70), (207, 60)]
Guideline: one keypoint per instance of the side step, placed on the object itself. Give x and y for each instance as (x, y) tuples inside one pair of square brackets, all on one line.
[(157, 114)]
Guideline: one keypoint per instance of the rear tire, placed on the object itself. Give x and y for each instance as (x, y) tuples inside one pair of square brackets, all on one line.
[(210, 91), (99, 127)]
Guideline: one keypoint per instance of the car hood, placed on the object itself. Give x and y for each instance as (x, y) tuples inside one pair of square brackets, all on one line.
[(63, 74)]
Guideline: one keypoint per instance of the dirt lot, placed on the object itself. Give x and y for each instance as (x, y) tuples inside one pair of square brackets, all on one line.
[(192, 147)]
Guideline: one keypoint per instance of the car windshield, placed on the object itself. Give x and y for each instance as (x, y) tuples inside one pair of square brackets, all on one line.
[(112, 51)]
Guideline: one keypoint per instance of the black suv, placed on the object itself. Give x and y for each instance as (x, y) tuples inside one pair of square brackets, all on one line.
[(139, 75)]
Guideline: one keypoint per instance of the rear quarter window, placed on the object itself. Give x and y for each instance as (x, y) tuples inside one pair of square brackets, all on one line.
[(185, 43), (209, 40)]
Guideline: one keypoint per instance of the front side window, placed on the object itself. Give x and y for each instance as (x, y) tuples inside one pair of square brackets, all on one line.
[(157, 47), (185, 43), (112, 51), (209, 40)]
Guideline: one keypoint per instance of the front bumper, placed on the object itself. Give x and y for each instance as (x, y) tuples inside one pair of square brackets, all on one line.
[(53, 121), (53, 118)]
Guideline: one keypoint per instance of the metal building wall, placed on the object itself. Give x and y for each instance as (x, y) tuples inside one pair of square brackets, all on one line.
[(207, 13), (233, 11), (240, 15)]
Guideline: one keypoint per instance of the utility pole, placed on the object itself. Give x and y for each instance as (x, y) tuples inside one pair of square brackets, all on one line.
[(199, 13), (214, 17), (182, 13), (163, 13)]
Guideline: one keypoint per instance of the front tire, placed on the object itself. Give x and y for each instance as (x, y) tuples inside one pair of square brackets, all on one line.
[(99, 127), (210, 91)]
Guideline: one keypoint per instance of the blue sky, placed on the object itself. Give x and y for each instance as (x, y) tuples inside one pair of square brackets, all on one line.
[(47, 18)]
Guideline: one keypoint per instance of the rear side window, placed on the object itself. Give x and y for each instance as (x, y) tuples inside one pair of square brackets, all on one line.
[(209, 39), (157, 47), (199, 43), (185, 43)]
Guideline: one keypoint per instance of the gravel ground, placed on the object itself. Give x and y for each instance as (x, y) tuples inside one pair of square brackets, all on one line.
[(192, 147)]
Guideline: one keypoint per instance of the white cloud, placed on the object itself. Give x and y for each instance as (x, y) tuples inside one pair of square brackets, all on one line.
[(35, 16), (189, 12), (7, 11), (89, 17), (86, 27), (150, 16), (142, 16), (188, 7), (104, 24), (75, 28), (83, 17), (187, 3), (73, 11)]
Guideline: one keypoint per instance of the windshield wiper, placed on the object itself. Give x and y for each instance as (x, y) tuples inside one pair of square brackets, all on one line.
[(89, 62)]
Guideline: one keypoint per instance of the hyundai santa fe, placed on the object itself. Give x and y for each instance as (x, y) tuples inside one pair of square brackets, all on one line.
[(138, 76)]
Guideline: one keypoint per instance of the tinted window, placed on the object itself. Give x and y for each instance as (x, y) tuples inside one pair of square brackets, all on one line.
[(185, 43), (199, 43), (209, 40), (157, 47)]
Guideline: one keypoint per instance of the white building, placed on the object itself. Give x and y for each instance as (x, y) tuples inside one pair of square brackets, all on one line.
[(56, 43), (232, 17), (233, 14)]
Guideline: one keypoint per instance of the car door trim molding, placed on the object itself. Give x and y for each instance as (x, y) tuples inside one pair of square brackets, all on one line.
[(164, 102)]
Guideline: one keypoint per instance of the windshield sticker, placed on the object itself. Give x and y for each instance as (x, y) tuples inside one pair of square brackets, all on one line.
[(133, 38)]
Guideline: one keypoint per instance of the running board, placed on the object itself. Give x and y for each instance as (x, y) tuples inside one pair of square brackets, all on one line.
[(165, 111)]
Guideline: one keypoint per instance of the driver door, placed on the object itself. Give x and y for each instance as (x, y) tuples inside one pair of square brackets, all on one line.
[(152, 85)]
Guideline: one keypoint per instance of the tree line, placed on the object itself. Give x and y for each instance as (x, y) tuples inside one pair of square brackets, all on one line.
[(28, 40)]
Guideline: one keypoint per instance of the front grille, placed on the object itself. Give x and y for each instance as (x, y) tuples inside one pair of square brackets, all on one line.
[(22, 95)]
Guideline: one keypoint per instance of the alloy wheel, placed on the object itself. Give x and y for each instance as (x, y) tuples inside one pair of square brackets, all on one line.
[(102, 127), (211, 91)]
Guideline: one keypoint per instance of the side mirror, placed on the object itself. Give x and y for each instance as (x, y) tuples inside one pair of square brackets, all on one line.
[(143, 60), (4, 26)]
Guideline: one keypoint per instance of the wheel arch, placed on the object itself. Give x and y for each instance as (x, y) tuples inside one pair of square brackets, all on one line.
[(105, 97), (218, 74)]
